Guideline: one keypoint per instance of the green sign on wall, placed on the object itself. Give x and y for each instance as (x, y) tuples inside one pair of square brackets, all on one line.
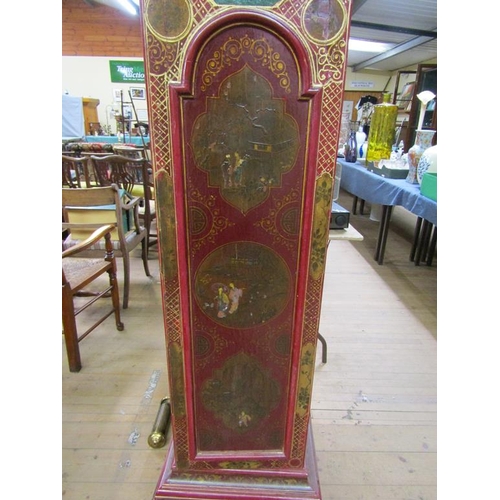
[(127, 71)]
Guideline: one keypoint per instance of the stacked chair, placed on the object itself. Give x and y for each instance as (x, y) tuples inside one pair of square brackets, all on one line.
[(87, 208), (134, 174), (108, 208), (77, 172)]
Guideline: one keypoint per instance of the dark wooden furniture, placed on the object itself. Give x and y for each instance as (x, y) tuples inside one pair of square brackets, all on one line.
[(402, 96), (129, 151), (245, 108), (77, 172), (106, 205), (135, 175), (77, 275), (90, 115), (425, 79)]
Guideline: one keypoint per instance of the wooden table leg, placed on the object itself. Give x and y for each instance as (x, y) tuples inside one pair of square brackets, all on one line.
[(432, 247), (382, 233), (424, 242), (355, 206), (416, 236)]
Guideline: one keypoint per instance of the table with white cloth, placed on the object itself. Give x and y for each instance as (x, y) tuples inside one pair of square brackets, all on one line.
[(346, 234), (375, 189)]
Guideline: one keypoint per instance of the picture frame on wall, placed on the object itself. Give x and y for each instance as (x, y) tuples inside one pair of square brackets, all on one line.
[(138, 93), (116, 95), (405, 98)]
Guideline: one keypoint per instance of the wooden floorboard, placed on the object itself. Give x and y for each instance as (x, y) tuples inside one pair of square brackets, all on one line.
[(374, 406)]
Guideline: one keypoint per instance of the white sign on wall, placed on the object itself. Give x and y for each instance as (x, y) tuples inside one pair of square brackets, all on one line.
[(362, 85), (347, 107)]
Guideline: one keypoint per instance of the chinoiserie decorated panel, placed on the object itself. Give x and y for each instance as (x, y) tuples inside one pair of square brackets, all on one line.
[(245, 135), (245, 107)]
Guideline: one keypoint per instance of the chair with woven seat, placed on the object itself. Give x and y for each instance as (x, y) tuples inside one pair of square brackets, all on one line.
[(78, 274), (135, 176), (106, 205)]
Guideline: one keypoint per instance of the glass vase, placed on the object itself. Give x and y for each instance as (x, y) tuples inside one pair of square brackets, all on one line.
[(423, 141), (351, 149), (382, 131)]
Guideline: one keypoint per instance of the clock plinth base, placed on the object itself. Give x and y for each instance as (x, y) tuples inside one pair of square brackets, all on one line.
[(241, 485)]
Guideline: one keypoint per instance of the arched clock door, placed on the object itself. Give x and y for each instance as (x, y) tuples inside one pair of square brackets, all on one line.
[(244, 102)]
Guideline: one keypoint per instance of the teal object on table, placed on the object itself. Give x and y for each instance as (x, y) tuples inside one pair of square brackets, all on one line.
[(428, 187), (113, 139)]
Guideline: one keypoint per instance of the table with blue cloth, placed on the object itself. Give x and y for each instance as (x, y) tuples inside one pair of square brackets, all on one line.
[(113, 139), (365, 185)]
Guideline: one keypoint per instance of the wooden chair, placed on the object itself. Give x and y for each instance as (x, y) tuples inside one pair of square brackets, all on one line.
[(106, 205), (133, 151), (135, 175), (77, 172), (128, 151), (77, 274)]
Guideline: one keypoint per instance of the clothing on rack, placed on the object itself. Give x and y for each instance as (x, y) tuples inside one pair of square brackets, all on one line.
[(366, 98), (365, 111)]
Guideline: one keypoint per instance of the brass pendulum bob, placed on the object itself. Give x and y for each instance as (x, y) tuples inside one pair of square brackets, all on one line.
[(157, 438)]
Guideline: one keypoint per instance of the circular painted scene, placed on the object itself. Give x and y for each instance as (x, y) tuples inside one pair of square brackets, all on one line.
[(168, 19), (324, 20), (242, 285)]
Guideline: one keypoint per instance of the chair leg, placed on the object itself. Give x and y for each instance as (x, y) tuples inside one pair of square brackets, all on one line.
[(144, 244), (147, 224), (147, 245), (126, 278), (115, 297), (70, 332)]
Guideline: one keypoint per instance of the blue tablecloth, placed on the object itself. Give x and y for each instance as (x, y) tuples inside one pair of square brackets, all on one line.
[(373, 188)]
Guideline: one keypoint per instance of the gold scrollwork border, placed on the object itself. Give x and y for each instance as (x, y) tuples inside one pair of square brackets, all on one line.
[(270, 223), (233, 49), (322, 210)]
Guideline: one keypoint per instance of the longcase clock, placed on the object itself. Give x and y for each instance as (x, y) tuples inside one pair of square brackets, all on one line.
[(245, 102)]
